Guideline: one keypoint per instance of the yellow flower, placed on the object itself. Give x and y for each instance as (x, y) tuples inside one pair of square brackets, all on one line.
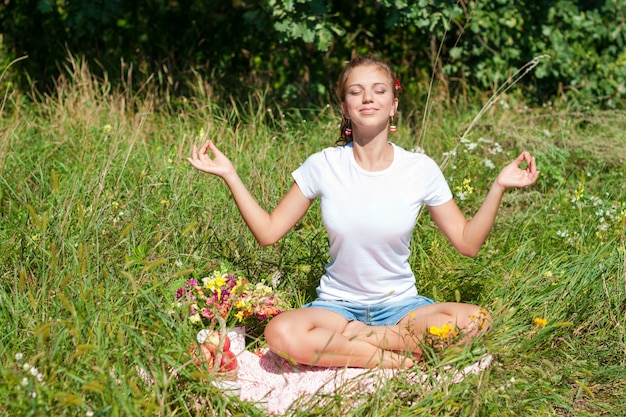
[(540, 322), (448, 330), (435, 331), (195, 318), (444, 332), (215, 283)]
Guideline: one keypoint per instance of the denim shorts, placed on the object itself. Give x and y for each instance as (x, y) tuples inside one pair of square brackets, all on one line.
[(381, 314)]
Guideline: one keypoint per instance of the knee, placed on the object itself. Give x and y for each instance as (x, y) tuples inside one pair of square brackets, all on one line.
[(277, 334)]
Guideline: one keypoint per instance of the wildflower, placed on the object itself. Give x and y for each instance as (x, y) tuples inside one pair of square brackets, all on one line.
[(165, 202), (19, 356), (465, 189), (562, 233), (489, 163), (444, 332), (540, 322), (235, 299), (495, 149), (107, 128)]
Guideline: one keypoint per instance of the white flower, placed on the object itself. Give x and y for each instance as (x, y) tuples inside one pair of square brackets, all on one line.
[(495, 149), (19, 356), (489, 163)]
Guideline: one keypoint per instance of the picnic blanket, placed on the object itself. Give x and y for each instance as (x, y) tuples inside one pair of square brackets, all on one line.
[(275, 384)]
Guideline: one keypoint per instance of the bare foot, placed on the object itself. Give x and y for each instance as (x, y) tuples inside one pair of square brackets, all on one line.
[(394, 360)]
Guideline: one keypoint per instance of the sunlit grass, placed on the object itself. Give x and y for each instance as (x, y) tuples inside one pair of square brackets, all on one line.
[(100, 215)]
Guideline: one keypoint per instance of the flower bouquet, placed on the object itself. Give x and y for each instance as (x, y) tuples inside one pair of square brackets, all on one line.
[(223, 301)]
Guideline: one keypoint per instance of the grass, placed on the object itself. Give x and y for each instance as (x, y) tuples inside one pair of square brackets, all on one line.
[(100, 215)]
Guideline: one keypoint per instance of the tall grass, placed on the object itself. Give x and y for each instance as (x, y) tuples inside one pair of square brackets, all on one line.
[(101, 215)]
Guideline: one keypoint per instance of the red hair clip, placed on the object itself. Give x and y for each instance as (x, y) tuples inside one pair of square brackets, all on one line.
[(398, 86)]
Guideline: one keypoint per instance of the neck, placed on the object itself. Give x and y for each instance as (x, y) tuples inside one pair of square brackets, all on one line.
[(375, 154)]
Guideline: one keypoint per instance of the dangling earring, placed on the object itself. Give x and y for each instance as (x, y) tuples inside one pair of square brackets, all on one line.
[(392, 127), (348, 131)]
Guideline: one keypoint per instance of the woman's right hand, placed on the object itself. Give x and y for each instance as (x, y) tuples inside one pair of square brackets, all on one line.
[(219, 165)]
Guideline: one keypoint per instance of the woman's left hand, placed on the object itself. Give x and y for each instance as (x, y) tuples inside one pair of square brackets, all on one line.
[(512, 176)]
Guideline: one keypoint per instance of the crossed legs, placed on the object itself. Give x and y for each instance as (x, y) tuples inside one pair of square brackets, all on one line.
[(315, 336)]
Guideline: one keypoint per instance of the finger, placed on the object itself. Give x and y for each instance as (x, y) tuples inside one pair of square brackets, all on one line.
[(519, 160), (203, 149), (194, 152), (192, 162), (214, 149), (532, 165)]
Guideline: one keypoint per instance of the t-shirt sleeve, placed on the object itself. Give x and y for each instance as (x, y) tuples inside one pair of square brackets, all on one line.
[(308, 176), (438, 191)]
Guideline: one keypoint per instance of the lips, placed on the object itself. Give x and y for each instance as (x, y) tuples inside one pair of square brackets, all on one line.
[(368, 111)]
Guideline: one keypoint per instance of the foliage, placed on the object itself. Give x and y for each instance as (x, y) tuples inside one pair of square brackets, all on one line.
[(298, 46), (101, 216)]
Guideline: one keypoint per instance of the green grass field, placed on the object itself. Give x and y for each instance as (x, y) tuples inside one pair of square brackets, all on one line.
[(101, 216)]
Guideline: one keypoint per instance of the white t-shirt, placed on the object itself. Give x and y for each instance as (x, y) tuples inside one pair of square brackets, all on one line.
[(369, 217)]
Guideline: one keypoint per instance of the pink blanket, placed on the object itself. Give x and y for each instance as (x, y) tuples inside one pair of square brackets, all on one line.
[(275, 385)]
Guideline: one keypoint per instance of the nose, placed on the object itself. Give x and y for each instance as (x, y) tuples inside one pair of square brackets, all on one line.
[(367, 96)]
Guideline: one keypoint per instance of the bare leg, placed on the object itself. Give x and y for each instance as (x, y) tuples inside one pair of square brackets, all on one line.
[(469, 320), (315, 336)]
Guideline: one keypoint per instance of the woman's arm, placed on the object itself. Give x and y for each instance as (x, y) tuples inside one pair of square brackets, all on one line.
[(267, 228), (468, 236)]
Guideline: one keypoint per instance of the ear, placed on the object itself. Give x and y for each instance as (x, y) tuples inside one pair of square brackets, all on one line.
[(394, 108)]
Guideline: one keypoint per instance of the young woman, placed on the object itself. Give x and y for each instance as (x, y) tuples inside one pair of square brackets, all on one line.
[(368, 312)]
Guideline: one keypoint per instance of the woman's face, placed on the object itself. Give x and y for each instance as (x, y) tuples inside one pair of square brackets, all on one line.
[(369, 100)]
